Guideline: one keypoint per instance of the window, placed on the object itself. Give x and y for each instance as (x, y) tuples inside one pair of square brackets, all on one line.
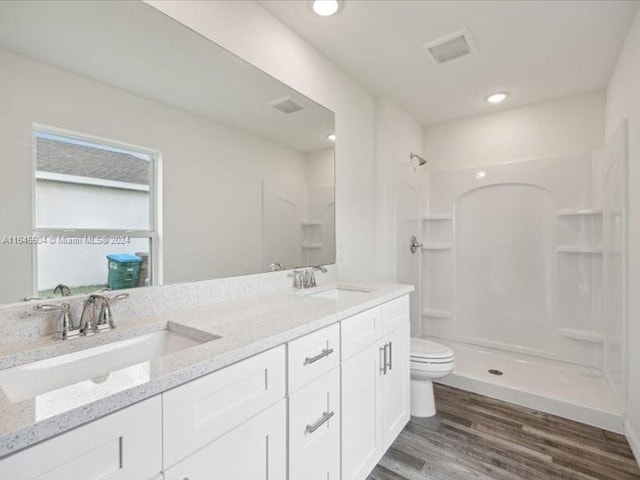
[(94, 213)]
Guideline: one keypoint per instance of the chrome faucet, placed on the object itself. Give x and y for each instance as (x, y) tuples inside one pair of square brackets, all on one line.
[(306, 278), (64, 324), (96, 313), (311, 281), (276, 267), (96, 316)]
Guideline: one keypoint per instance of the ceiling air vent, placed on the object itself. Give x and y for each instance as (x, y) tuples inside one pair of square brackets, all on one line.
[(450, 47), (286, 105)]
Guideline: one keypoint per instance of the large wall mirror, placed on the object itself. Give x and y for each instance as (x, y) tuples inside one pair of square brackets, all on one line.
[(136, 152)]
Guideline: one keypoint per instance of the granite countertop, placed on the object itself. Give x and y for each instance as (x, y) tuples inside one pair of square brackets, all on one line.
[(231, 330)]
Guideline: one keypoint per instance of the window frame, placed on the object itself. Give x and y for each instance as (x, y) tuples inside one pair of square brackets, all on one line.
[(153, 234)]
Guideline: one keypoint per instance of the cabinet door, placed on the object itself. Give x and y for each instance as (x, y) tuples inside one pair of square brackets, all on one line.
[(361, 413), (396, 383), (124, 445), (256, 450)]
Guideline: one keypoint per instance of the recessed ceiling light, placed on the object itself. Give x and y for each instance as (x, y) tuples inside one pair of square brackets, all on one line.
[(326, 8), (497, 97), (332, 137)]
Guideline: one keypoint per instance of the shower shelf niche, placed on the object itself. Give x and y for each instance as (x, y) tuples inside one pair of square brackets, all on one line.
[(437, 232)]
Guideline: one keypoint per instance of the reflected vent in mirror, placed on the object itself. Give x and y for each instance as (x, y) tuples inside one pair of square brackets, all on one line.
[(286, 105), (450, 47)]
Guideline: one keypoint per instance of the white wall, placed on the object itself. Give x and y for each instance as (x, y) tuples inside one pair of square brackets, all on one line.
[(216, 172), (623, 102), (556, 128), (322, 208), (398, 199), (249, 31), (397, 136)]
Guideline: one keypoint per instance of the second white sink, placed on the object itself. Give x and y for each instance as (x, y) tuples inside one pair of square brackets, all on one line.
[(342, 293)]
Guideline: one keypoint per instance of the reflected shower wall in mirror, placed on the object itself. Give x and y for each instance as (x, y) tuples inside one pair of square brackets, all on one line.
[(123, 134)]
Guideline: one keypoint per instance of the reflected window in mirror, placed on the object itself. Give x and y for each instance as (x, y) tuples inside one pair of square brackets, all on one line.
[(94, 225)]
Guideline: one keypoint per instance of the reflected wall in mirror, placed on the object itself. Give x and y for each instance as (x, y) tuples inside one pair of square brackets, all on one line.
[(123, 134)]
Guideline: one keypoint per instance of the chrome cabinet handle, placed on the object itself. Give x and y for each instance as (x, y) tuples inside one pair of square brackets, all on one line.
[(325, 353), (390, 355), (324, 419), (383, 368)]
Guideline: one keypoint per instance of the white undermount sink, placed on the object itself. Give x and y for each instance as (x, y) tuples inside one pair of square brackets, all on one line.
[(342, 293), (92, 364)]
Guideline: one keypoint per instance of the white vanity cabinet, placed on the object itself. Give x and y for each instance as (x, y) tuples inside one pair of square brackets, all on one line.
[(255, 450), (326, 406), (121, 446), (375, 385)]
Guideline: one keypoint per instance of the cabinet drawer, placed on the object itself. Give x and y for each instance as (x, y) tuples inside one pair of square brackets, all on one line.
[(123, 445), (360, 331), (255, 450), (394, 313), (202, 410), (314, 425), (313, 355)]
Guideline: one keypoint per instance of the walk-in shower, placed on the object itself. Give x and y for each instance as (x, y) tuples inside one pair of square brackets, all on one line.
[(521, 271)]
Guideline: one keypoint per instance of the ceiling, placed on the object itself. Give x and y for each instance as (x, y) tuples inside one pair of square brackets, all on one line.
[(537, 50), (134, 47)]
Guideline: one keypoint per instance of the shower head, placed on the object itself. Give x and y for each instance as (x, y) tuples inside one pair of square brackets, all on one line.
[(421, 161)]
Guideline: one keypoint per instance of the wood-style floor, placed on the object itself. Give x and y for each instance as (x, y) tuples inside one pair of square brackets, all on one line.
[(476, 437)]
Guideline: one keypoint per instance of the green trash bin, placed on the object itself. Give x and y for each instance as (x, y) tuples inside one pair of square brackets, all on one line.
[(124, 269)]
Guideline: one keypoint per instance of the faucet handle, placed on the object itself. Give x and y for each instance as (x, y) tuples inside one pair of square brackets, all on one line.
[(64, 325), (49, 307)]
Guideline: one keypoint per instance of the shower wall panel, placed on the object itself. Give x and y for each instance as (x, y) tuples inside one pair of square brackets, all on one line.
[(513, 258)]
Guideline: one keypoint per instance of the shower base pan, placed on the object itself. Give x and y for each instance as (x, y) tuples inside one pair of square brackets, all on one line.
[(569, 391)]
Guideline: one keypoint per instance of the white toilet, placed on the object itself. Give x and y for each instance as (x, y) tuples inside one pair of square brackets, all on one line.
[(429, 361)]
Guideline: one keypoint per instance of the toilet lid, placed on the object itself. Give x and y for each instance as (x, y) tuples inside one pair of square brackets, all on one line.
[(421, 348)]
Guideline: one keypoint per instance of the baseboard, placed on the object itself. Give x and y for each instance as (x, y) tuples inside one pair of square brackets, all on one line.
[(633, 440)]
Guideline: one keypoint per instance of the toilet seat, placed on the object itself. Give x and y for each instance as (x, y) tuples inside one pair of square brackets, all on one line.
[(424, 351)]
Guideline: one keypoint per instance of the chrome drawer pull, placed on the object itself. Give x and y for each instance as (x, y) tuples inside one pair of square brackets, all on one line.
[(390, 355), (383, 363), (324, 419), (325, 353)]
